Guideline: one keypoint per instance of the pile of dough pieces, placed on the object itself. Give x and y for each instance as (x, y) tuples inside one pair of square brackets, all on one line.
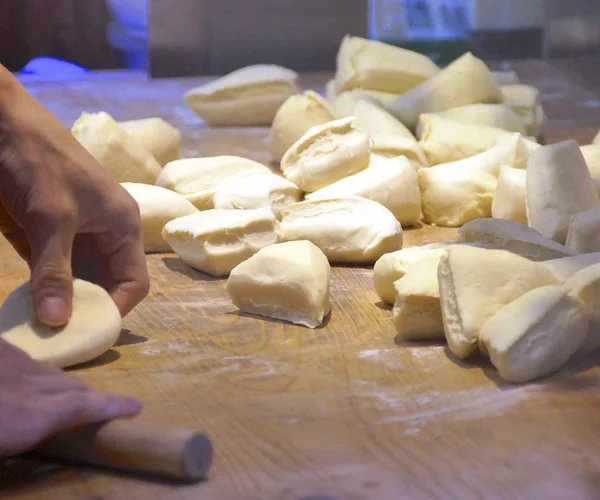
[(395, 141)]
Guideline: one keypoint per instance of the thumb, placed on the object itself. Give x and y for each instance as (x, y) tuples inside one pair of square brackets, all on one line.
[(51, 277)]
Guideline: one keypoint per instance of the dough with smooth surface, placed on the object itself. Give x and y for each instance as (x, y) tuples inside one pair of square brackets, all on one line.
[(584, 231), (467, 80), (348, 229), (263, 190), (596, 139), (390, 182), (295, 116), (565, 267), (288, 281), (374, 65), (536, 334), (506, 77), (199, 178), (514, 237), (475, 284), (215, 241), (591, 153), (94, 327), (248, 96), (117, 151), (326, 154), (157, 136), (157, 207), (525, 101), (559, 185), (509, 201), (492, 115)]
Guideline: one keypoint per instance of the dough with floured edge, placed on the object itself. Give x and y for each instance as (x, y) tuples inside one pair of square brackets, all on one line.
[(509, 200), (117, 151), (157, 136), (157, 207), (536, 334), (525, 101), (325, 154), (94, 327), (565, 267), (288, 281), (492, 115), (348, 229), (199, 178), (591, 154), (584, 231), (248, 96), (215, 241), (475, 284)]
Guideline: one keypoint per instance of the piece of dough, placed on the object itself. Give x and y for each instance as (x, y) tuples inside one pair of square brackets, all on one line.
[(509, 201), (566, 267), (117, 151), (591, 153), (288, 281), (215, 241), (265, 190), (525, 101), (325, 154), (390, 182), (444, 140), (467, 80), (513, 237), (492, 115), (94, 327), (293, 119), (389, 137), (536, 334), (596, 139), (248, 96), (343, 104), (199, 178), (330, 91), (157, 136), (455, 193), (392, 266), (475, 284), (506, 77), (374, 65), (349, 229), (584, 231), (559, 185), (157, 207)]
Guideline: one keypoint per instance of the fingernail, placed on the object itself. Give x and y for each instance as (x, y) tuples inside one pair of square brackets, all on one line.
[(53, 311), (124, 407)]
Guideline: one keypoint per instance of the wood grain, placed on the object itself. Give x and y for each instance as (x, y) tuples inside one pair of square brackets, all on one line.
[(342, 412)]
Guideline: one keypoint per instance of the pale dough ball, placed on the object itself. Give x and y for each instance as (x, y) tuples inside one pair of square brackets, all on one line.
[(157, 207), (94, 326), (288, 281), (248, 96), (157, 136)]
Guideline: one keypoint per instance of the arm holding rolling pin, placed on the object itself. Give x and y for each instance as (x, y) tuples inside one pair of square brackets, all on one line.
[(65, 216)]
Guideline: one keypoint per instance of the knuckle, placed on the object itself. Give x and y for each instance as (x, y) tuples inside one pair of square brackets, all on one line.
[(51, 215)]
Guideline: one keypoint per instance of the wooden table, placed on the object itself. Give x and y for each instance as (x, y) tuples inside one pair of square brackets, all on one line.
[(343, 412)]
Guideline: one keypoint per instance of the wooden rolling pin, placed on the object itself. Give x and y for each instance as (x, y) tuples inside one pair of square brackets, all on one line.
[(133, 446)]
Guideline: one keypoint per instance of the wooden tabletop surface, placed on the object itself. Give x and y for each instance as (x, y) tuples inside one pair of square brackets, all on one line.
[(343, 412)]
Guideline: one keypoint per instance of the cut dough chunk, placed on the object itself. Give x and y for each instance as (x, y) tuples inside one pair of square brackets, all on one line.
[(466, 81), (389, 137), (349, 229), (157, 136), (596, 139), (566, 267), (215, 241), (157, 207), (117, 151), (455, 193), (445, 140), (514, 237), (536, 334), (330, 91), (94, 327), (509, 201), (584, 231), (559, 185), (492, 115), (390, 182), (525, 101), (591, 153), (199, 178), (506, 77), (297, 114), (343, 104), (288, 281), (325, 154), (264, 190), (475, 284), (375, 65), (248, 96)]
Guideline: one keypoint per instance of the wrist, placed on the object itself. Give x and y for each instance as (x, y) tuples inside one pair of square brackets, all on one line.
[(9, 91)]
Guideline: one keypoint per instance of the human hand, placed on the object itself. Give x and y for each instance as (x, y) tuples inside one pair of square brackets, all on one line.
[(62, 212), (37, 401)]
